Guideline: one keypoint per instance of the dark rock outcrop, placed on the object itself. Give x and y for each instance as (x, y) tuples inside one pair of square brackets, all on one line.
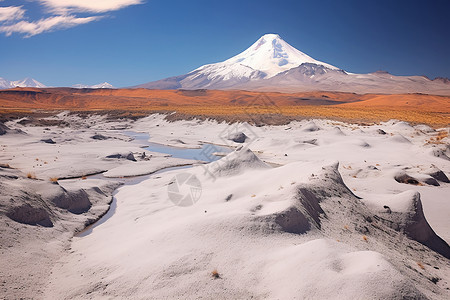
[(48, 141), (76, 202), (3, 129), (238, 137), (128, 156), (99, 137), (27, 214)]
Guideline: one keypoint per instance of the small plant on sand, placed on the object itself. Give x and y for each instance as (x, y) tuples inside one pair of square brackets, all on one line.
[(31, 175), (54, 180), (215, 274), (438, 139)]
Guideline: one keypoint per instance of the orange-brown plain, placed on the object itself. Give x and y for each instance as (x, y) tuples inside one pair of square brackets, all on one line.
[(235, 105)]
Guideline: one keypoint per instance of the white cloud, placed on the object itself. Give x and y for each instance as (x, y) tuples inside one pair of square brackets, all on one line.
[(63, 14), (11, 13), (45, 25), (96, 6)]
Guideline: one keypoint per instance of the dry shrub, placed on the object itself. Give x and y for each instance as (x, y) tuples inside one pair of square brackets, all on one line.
[(83, 178), (421, 265), (437, 140), (31, 175), (54, 179), (364, 238), (215, 274)]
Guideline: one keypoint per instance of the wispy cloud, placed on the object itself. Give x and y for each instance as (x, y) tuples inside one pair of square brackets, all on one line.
[(96, 6), (61, 14), (45, 25), (11, 13)]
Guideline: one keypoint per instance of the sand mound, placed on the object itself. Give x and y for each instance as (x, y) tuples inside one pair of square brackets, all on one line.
[(329, 198), (404, 213), (76, 202), (424, 128), (337, 131), (310, 127), (418, 179), (439, 153), (30, 215), (400, 139), (236, 162), (3, 129), (293, 220), (329, 268), (438, 175), (401, 125)]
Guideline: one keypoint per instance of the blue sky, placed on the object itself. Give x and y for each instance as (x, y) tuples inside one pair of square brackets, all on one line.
[(128, 42)]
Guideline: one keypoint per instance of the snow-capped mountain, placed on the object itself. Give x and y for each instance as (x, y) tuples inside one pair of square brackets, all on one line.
[(5, 84), (103, 85), (271, 64), (269, 56), (26, 82)]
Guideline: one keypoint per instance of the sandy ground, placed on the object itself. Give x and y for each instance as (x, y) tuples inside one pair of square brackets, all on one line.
[(40, 210), (312, 209)]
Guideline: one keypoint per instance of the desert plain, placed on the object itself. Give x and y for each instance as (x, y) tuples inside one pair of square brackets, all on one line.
[(170, 194)]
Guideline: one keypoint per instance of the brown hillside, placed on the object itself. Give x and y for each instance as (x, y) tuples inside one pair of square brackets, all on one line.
[(230, 105)]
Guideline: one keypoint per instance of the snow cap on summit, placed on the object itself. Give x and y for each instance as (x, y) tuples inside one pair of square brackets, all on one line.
[(272, 55)]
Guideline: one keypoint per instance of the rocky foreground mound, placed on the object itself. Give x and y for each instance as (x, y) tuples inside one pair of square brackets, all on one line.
[(39, 218), (295, 231)]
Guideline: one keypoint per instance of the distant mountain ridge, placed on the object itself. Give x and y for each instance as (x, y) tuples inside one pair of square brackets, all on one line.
[(30, 82), (271, 64), (26, 82), (103, 85)]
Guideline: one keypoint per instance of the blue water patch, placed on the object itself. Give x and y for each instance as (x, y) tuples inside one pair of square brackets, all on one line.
[(205, 153)]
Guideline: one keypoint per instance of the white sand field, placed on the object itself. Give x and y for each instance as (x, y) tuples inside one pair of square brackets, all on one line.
[(314, 209)]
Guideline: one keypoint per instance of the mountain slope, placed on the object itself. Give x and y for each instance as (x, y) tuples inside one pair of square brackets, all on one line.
[(310, 77), (103, 85), (5, 83), (26, 82), (271, 64), (268, 56)]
